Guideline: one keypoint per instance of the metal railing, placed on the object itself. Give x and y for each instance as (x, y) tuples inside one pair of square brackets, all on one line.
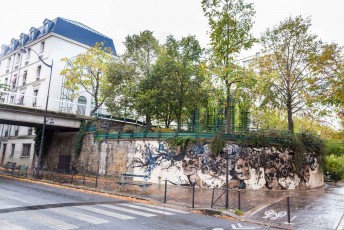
[(31, 101)]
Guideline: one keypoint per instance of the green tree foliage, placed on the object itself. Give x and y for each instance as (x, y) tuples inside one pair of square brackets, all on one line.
[(293, 68), (175, 87), (121, 76), (141, 52), (335, 164), (230, 25), (87, 71)]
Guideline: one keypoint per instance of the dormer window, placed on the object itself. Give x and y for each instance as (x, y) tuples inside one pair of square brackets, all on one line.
[(46, 26), (32, 34)]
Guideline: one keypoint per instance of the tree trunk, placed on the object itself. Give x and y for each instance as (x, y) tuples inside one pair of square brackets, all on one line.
[(148, 121), (228, 108), (290, 117)]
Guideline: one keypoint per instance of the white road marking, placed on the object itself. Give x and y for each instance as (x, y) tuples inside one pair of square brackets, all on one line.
[(339, 223), (5, 225), (148, 209), (259, 209), (79, 216), (107, 213), (163, 208), (242, 227), (293, 218), (48, 221), (217, 228), (127, 210)]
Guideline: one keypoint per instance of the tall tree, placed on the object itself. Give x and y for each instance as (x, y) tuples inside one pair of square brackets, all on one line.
[(175, 87), (142, 50), (87, 71), (230, 24), (292, 67)]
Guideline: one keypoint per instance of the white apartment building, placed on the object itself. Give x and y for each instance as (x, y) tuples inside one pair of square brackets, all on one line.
[(27, 78)]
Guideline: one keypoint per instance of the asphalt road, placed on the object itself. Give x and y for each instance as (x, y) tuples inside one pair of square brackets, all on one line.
[(28, 205)]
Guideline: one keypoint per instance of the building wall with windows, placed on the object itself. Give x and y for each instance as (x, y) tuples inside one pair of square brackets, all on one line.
[(26, 78)]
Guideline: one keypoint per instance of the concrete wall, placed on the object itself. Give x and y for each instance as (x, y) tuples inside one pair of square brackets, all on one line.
[(249, 168)]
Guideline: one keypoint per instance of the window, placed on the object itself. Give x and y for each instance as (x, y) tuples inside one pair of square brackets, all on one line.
[(32, 35), (16, 131), (8, 63), (12, 99), (29, 132), (28, 54), (6, 133), (14, 82), (41, 50), (26, 150), (21, 100), (46, 26), (12, 150), (24, 77), (34, 99), (38, 73), (81, 105), (6, 81), (17, 58)]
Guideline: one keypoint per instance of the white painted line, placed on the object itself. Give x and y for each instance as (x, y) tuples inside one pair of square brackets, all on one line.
[(217, 228), (107, 213), (163, 208), (127, 210), (48, 221), (79, 216), (148, 209), (5, 225), (308, 206), (337, 224), (259, 209), (293, 218)]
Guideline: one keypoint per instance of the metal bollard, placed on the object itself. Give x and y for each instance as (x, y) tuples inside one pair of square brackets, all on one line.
[(96, 181), (34, 172), (239, 206), (83, 180), (288, 208), (12, 169), (19, 170), (165, 194), (72, 177), (193, 193), (26, 168)]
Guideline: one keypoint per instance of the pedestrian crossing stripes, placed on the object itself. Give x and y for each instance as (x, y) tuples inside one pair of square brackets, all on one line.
[(147, 209), (63, 218), (107, 213), (5, 225), (164, 208), (127, 210), (79, 216)]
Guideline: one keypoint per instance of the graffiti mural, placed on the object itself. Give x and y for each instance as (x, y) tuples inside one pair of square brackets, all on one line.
[(248, 167)]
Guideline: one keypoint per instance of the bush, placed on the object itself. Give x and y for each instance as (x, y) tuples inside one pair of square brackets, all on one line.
[(335, 164)]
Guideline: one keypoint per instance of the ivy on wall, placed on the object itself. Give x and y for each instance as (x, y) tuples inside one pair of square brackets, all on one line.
[(48, 138), (80, 139)]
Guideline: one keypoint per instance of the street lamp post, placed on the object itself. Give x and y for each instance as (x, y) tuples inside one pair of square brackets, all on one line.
[(23, 50)]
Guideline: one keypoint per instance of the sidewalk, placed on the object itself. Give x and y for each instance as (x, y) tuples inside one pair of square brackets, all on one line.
[(319, 208)]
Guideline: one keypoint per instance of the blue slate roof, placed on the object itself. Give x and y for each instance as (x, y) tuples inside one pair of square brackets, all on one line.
[(67, 28)]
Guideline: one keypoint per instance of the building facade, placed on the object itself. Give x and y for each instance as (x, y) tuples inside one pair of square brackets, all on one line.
[(24, 78)]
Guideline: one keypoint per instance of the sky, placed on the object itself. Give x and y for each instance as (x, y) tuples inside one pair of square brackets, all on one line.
[(119, 18)]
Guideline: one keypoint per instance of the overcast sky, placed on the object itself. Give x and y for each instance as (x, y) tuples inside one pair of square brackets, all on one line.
[(118, 18)]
